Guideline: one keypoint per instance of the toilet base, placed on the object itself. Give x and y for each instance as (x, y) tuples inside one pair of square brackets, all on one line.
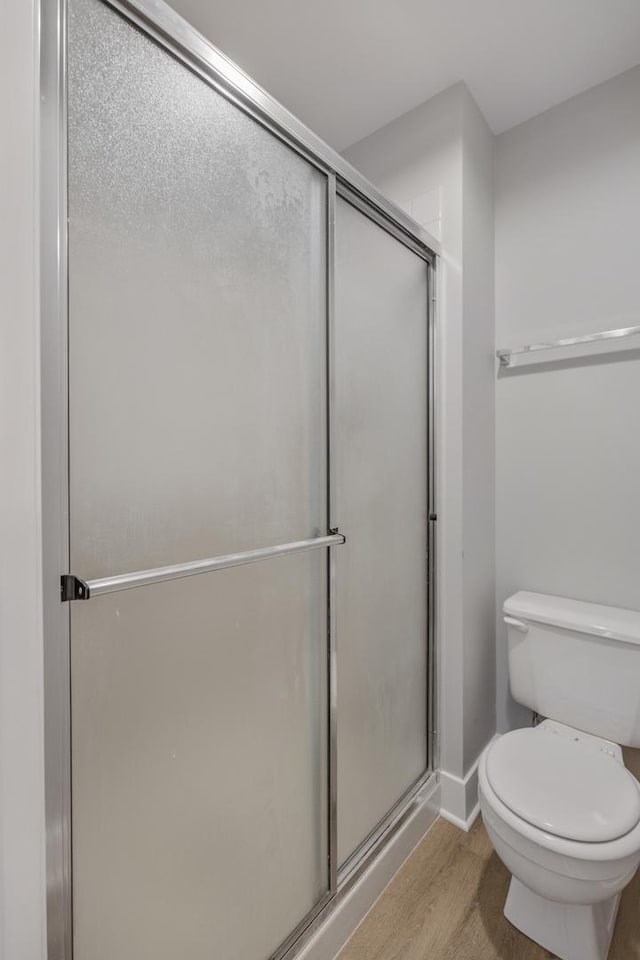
[(571, 931)]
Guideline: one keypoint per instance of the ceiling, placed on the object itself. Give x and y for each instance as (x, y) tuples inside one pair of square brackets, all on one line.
[(347, 67)]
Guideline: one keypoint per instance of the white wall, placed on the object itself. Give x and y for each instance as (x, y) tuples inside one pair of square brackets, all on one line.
[(22, 883), (568, 435), (436, 162), (22, 877), (478, 521)]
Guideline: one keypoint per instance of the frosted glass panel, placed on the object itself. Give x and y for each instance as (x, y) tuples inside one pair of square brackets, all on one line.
[(381, 503), (199, 758), (197, 314)]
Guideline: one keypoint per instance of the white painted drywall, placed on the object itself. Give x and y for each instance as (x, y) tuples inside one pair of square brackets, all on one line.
[(568, 436), (22, 837), (478, 521), (437, 159)]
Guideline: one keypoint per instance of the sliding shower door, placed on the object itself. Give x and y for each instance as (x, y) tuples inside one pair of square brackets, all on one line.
[(197, 429), (247, 372), (381, 346)]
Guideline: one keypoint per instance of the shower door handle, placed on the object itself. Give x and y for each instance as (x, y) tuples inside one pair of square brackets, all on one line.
[(74, 588)]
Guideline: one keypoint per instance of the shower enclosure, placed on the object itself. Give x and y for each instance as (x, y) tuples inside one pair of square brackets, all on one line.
[(238, 496)]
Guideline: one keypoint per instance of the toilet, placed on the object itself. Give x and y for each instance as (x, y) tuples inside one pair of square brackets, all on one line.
[(558, 803)]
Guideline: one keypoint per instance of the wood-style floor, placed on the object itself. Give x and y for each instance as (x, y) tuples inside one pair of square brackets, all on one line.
[(446, 902)]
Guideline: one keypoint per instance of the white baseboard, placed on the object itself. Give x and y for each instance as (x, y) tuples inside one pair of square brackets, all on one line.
[(460, 796), (457, 822), (351, 908)]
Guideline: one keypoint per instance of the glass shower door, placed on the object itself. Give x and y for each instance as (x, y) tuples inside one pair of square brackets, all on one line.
[(381, 403), (197, 430)]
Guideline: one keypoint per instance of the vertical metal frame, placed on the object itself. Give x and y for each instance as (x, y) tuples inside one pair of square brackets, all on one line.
[(172, 32), (55, 487), (432, 507), (333, 521)]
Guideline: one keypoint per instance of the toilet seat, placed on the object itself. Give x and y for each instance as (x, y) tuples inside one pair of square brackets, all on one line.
[(546, 847), (568, 784)]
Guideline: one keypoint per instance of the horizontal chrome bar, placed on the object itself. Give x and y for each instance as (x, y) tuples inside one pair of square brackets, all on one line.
[(177, 571), (505, 356)]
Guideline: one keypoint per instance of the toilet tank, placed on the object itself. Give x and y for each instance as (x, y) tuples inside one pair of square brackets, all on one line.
[(576, 662)]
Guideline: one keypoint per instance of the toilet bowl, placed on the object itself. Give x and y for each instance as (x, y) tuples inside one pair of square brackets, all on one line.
[(559, 806)]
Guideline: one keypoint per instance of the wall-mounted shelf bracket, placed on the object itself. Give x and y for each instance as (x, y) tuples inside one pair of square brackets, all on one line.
[(588, 345)]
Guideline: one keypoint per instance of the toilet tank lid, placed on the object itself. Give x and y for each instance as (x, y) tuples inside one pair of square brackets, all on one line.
[(613, 623)]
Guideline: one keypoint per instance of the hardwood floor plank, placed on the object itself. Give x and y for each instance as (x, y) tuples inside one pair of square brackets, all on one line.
[(476, 840), (418, 922), (485, 932), (446, 903), (412, 882)]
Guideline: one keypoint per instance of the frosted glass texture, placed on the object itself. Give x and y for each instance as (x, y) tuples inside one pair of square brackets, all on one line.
[(199, 758), (381, 503), (197, 419), (197, 314)]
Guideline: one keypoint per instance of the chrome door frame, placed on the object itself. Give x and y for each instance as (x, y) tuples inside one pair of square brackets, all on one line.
[(55, 472), (167, 28)]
